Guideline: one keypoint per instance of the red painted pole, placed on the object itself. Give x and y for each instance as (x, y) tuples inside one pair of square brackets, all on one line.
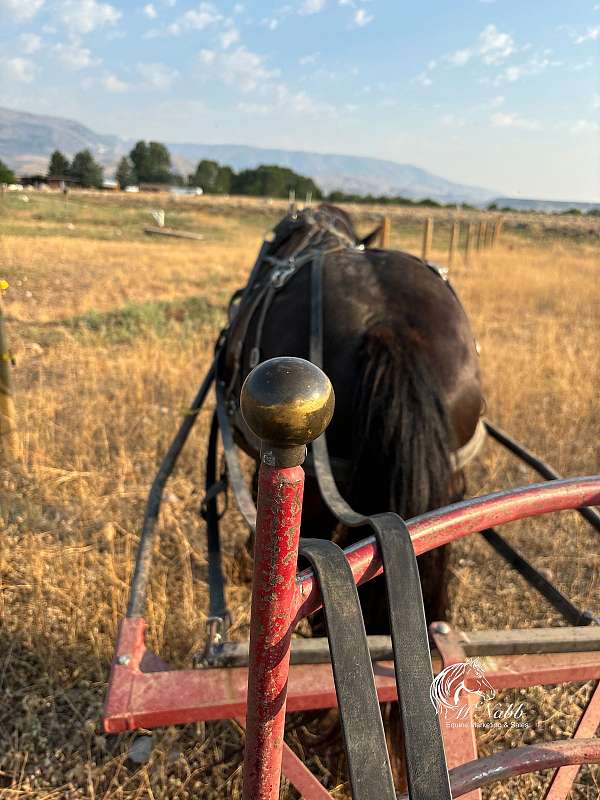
[(286, 402), (279, 509)]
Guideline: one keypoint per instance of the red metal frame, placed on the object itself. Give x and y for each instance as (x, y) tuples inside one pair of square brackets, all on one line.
[(460, 744), (144, 692), (588, 725), (453, 522), (279, 512)]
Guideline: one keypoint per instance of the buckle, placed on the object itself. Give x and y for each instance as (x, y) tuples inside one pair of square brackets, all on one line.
[(216, 637), (254, 357)]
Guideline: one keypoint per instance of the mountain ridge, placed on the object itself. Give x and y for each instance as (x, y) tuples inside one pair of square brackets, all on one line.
[(27, 139)]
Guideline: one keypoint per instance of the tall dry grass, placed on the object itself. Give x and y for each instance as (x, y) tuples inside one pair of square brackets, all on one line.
[(109, 349)]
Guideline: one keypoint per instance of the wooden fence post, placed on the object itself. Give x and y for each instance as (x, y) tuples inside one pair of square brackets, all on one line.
[(480, 235), (9, 440), (427, 238), (469, 241), (497, 232), (454, 239), (386, 230)]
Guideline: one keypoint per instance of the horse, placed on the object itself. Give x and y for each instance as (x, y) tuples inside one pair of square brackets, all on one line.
[(403, 361), (452, 683)]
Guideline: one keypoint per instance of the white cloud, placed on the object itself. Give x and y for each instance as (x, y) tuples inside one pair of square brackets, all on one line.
[(494, 45), (312, 6), (114, 85), (207, 56), (458, 58), (509, 119), (309, 59), (241, 68), (196, 19), (75, 57), (585, 126), (84, 16), (238, 8), (582, 65), (270, 22), (29, 43), (452, 121), (254, 109), (590, 35), (18, 69), (534, 66), (497, 101), (20, 10), (229, 37), (150, 11), (595, 102), (157, 76), (424, 78), (361, 18)]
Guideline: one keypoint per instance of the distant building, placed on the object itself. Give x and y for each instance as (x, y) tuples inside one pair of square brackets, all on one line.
[(154, 187), (56, 182), (61, 182)]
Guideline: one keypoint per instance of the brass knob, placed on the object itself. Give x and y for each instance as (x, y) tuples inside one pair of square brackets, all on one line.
[(286, 402)]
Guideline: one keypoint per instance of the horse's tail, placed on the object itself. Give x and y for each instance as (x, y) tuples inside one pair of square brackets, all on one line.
[(403, 438)]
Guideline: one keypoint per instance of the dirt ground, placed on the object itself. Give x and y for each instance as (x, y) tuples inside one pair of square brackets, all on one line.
[(111, 330)]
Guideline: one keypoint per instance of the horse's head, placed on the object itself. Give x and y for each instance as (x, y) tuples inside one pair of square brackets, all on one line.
[(450, 686), (475, 682), (299, 228)]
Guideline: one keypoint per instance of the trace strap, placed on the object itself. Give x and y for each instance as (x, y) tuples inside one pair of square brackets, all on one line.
[(364, 737)]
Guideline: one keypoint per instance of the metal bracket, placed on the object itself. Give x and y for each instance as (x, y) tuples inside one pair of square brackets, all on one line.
[(217, 628)]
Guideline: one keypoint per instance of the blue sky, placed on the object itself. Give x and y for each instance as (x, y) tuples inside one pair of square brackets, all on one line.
[(500, 93)]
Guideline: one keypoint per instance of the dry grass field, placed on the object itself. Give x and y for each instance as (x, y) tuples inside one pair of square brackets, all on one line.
[(111, 331)]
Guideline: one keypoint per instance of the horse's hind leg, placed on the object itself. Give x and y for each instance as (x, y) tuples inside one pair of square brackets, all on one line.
[(434, 583)]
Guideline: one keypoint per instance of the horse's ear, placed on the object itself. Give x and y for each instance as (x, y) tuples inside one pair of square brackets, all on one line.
[(475, 663), (371, 237)]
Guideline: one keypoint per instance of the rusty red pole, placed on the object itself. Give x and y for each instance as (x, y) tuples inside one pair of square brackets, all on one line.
[(286, 402)]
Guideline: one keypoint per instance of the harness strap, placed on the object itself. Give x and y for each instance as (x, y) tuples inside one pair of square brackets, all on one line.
[(243, 497), (219, 617), (364, 737)]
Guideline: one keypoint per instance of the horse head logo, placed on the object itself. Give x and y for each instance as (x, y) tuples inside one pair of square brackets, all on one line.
[(451, 686)]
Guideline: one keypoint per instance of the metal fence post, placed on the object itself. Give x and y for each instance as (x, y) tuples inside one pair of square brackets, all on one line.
[(286, 402)]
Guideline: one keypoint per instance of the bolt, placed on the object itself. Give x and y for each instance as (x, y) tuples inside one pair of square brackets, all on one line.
[(440, 627), (123, 661)]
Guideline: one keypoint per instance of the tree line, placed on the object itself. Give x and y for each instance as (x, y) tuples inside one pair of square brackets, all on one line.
[(150, 162)]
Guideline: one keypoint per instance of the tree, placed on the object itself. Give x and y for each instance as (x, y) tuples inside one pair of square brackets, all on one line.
[(6, 174), (273, 181), (124, 174), (86, 170), (151, 162), (58, 166), (212, 177)]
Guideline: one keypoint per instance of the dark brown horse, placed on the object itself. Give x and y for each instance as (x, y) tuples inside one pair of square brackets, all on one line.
[(402, 358)]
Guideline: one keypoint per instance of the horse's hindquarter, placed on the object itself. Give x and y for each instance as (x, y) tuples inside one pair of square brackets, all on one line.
[(361, 290), (395, 291)]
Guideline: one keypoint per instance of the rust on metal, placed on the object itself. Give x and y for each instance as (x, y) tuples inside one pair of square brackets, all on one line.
[(448, 524)]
